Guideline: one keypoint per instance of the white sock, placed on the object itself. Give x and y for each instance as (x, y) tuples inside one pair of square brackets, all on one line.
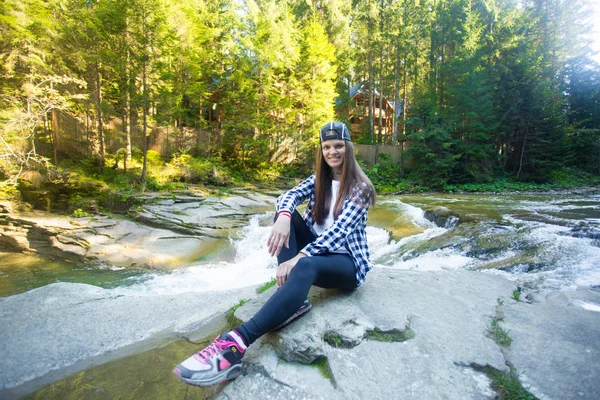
[(238, 339)]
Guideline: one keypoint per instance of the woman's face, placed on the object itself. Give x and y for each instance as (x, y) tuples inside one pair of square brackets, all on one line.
[(334, 151)]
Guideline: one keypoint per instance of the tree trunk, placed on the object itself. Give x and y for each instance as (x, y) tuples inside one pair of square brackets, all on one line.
[(371, 90), (55, 135), (98, 99), (127, 94), (144, 123), (404, 95), (380, 129), (523, 149), (200, 128), (396, 95)]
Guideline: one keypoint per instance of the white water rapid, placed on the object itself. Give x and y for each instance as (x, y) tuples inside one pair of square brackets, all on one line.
[(546, 252)]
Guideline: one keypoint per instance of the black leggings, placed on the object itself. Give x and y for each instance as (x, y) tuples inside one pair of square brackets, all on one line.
[(329, 271)]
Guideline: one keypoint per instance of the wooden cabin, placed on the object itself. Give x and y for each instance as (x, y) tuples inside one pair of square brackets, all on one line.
[(358, 112)]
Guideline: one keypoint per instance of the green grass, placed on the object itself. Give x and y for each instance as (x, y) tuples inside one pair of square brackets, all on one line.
[(393, 335), (266, 286), (232, 321), (516, 295), (499, 334), (506, 383)]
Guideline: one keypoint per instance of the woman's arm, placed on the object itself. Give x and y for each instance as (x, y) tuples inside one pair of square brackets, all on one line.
[(286, 204), (289, 200)]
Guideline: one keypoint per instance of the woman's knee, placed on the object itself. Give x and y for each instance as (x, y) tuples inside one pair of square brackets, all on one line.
[(304, 269)]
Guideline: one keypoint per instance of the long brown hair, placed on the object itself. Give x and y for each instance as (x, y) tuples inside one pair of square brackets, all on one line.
[(352, 177)]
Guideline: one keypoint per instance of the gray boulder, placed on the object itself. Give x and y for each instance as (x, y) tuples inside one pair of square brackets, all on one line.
[(556, 343), (402, 334), (415, 335), (442, 217)]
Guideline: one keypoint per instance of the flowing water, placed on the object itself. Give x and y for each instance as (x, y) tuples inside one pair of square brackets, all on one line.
[(546, 241), (542, 241)]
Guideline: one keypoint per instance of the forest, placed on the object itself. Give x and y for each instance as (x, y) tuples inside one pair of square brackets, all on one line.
[(162, 93)]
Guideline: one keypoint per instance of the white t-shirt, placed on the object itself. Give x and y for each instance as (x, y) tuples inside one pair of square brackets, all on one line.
[(319, 229)]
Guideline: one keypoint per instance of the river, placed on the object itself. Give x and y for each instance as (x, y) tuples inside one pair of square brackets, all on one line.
[(542, 242)]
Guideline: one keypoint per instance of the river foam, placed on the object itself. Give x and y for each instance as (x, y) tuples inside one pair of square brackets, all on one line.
[(540, 232)]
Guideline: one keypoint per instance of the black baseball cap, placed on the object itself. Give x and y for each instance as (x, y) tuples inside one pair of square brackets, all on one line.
[(335, 130)]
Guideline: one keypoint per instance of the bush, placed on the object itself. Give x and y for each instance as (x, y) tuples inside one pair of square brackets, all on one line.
[(186, 168), (8, 192), (385, 175)]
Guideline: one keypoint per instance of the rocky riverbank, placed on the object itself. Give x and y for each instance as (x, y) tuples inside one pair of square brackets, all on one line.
[(164, 233), (415, 334)]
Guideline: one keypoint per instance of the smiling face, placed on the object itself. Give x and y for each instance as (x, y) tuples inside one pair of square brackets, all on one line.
[(334, 151)]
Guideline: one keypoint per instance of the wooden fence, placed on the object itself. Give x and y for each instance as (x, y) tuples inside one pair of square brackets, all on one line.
[(370, 152)]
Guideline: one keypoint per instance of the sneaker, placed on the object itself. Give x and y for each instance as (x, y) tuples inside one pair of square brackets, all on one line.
[(304, 308), (220, 361)]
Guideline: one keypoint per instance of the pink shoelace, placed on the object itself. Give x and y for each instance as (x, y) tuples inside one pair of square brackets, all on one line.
[(212, 349)]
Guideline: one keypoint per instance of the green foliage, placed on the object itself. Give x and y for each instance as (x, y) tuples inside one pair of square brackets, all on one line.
[(431, 156), (500, 335), (266, 286), (185, 168), (506, 383), (79, 213), (8, 192), (516, 295), (509, 387), (488, 91), (232, 321), (384, 175)]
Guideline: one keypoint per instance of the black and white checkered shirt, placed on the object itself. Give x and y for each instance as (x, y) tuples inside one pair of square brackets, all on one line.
[(347, 230)]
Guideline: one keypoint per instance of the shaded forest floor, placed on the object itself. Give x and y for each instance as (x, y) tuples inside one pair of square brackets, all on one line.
[(83, 187)]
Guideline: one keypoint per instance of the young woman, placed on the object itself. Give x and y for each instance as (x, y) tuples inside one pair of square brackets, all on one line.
[(326, 248)]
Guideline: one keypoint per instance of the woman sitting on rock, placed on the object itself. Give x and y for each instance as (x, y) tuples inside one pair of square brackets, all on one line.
[(326, 248)]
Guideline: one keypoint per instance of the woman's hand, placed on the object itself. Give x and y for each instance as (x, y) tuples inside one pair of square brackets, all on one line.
[(285, 269), (280, 235)]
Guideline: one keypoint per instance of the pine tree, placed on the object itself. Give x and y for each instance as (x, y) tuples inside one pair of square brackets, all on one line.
[(316, 90)]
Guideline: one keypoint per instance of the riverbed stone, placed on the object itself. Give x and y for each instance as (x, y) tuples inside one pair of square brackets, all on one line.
[(62, 328), (448, 313), (441, 216), (555, 347), (556, 343), (213, 217), (164, 235)]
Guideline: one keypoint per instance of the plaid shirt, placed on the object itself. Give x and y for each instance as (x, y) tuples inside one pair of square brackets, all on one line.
[(347, 230)]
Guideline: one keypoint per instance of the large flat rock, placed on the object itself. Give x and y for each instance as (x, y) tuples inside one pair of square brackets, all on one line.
[(556, 344), (448, 313), (58, 329), (164, 235)]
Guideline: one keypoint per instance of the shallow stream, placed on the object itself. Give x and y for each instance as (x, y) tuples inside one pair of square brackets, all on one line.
[(541, 242)]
